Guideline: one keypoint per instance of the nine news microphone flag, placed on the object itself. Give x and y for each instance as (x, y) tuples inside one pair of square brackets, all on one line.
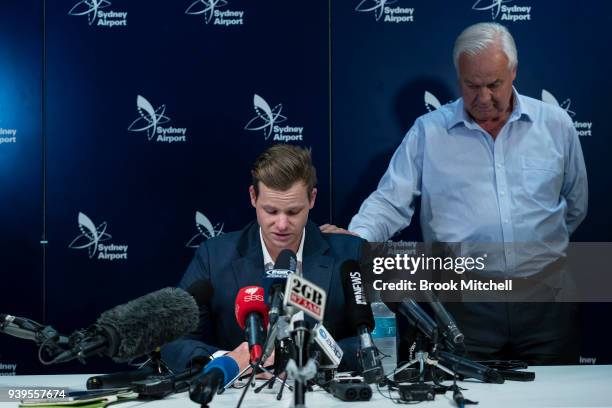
[(361, 321)]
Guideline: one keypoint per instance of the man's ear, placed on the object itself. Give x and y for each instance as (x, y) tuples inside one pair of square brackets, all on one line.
[(312, 198), (253, 196)]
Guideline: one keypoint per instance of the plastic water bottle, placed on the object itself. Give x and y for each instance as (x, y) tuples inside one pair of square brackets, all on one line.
[(384, 335)]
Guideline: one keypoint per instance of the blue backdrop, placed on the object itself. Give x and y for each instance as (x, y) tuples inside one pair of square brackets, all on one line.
[(136, 122)]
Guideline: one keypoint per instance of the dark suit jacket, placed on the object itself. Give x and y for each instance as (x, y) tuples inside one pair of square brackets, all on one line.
[(234, 260)]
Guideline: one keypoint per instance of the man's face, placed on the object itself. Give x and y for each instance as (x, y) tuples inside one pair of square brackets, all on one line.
[(282, 215), (486, 83)]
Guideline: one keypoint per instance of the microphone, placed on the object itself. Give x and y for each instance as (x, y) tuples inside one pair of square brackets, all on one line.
[(275, 281), (216, 374), (328, 346), (416, 316), (469, 369), (30, 330), (361, 319), (120, 379), (202, 293), (137, 327), (252, 317), (450, 330)]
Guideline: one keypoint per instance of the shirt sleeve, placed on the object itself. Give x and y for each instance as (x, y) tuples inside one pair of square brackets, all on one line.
[(575, 189), (389, 209)]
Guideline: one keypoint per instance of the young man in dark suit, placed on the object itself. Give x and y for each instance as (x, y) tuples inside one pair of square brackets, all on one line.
[(282, 192)]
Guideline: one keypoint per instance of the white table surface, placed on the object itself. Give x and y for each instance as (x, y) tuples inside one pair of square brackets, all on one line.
[(561, 386)]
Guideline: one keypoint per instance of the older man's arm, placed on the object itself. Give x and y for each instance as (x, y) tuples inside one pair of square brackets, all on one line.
[(575, 188), (389, 209)]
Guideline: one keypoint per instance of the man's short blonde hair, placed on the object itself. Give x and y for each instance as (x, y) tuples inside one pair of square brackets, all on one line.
[(281, 165)]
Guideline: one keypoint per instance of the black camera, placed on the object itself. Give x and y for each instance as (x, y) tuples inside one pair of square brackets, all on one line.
[(417, 392), (350, 390)]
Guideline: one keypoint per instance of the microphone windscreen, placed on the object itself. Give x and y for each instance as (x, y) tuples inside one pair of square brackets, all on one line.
[(226, 364), (358, 311), (250, 299), (141, 325), (287, 260), (286, 263)]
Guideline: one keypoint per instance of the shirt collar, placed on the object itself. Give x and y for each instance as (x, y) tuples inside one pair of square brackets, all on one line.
[(521, 110), (267, 259)]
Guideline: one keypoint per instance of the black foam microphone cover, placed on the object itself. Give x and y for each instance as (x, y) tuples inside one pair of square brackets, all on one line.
[(286, 260), (143, 324)]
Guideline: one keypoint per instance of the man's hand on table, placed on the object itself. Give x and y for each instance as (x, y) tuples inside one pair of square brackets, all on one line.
[(242, 357)]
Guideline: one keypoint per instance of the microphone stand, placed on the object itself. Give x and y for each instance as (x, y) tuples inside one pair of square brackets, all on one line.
[(257, 366), (301, 367), (422, 358), (280, 361), (436, 358)]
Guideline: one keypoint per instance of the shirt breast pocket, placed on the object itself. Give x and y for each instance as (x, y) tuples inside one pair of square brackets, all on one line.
[(542, 180)]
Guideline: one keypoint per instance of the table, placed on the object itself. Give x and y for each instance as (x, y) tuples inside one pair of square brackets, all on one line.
[(554, 386)]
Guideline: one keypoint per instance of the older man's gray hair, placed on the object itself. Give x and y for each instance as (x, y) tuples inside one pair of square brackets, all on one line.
[(478, 37)]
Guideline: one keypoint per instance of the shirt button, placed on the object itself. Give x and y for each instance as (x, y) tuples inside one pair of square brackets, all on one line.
[(499, 165), (502, 193), (506, 221)]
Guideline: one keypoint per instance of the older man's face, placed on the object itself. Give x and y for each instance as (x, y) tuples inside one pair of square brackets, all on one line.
[(282, 215), (486, 84)]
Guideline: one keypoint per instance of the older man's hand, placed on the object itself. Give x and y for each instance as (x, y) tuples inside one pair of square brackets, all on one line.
[(332, 229)]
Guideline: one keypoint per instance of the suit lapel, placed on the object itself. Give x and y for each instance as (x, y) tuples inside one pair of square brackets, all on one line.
[(249, 269), (316, 265)]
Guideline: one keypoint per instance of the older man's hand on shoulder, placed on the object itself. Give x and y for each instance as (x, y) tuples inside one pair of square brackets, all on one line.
[(332, 229)]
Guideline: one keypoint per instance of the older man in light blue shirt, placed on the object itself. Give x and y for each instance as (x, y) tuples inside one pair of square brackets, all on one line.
[(527, 184), (494, 167)]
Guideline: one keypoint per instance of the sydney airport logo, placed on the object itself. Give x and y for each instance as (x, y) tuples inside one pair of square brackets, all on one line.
[(8, 135), (8, 369), (95, 240), (214, 14), (431, 102), (149, 122), (583, 128), (383, 11), (499, 10), (206, 230), (98, 14), (267, 119)]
